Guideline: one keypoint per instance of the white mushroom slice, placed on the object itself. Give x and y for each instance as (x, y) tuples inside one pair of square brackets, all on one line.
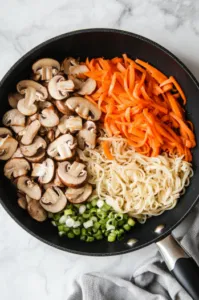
[(13, 117), (87, 136), (16, 167), (17, 129), (79, 69), (70, 124), (13, 99), (45, 68), (67, 63), (62, 148), (4, 132), (32, 118), (45, 170), (36, 211), (48, 117), (17, 154), (87, 87), (30, 150), (59, 87), (8, 146), (45, 104), (61, 106), (78, 195), (30, 132), (29, 187), (38, 157), (53, 200), (84, 108), (57, 181), (77, 82), (72, 175), (22, 202), (33, 91), (51, 135)]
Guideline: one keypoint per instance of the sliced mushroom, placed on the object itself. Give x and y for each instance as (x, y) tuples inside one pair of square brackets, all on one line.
[(62, 148), (87, 136), (84, 108), (48, 117), (30, 150), (61, 106), (78, 195), (13, 99), (32, 118), (79, 69), (59, 87), (16, 167), (29, 187), (45, 104), (67, 63), (4, 132), (13, 117), (72, 175), (53, 200), (29, 133), (87, 87), (45, 68), (17, 129), (51, 135), (70, 124), (77, 81), (45, 170), (17, 154), (22, 202), (33, 91), (36, 211), (38, 157), (8, 146), (57, 181)]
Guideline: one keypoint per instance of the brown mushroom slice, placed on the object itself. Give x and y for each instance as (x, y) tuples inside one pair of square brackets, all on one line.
[(29, 187), (84, 108), (13, 117), (51, 135), (13, 99), (62, 148), (87, 136), (67, 63), (16, 167), (72, 175), (78, 195), (22, 202), (4, 132), (8, 146), (30, 150), (17, 129), (38, 157), (48, 117), (79, 69), (17, 153), (32, 118), (57, 181), (45, 170), (70, 124), (59, 87), (30, 132), (45, 68), (44, 104), (87, 87), (77, 82), (53, 200), (36, 211), (62, 107), (33, 91)]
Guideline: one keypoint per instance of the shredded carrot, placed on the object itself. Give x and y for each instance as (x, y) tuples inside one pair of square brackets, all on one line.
[(138, 103)]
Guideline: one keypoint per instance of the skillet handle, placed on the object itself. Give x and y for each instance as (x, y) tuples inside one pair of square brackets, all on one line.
[(182, 266)]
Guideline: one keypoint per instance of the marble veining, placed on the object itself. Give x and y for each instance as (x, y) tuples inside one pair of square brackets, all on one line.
[(26, 264)]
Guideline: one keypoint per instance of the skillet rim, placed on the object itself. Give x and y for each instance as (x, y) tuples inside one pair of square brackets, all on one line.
[(122, 32)]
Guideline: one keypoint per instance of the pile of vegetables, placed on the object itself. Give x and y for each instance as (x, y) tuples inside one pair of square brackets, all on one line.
[(92, 221)]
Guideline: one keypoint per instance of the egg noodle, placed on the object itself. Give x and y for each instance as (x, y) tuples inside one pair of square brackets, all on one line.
[(136, 184)]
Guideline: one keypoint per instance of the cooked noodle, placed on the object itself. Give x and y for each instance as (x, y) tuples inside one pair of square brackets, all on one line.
[(139, 185)]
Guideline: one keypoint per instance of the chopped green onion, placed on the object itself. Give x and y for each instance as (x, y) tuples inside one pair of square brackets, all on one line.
[(88, 224), (62, 220), (82, 209), (76, 231), (94, 202), (127, 227), (131, 222), (100, 203), (111, 237), (68, 212), (70, 222), (61, 233), (54, 223), (90, 239), (70, 235)]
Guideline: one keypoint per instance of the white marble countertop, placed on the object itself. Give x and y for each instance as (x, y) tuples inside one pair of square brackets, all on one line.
[(30, 269)]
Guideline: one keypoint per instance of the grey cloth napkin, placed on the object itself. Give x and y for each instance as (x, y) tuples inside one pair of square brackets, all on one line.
[(150, 281)]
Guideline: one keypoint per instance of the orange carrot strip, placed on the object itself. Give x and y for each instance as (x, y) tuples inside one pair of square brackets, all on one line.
[(107, 152)]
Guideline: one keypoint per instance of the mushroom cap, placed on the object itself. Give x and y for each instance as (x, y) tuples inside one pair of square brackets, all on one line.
[(78, 69), (78, 195), (70, 124), (30, 132), (16, 167), (48, 117), (45, 170), (67, 62), (40, 91), (13, 117), (30, 150), (87, 87), (59, 87), (87, 136), (53, 200), (72, 175), (36, 211), (8, 146), (84, 108), (38, 157), (62, 107), (45, 68), (22, 202), (29, 187), (62, 148), (13, 99), (4, 132)]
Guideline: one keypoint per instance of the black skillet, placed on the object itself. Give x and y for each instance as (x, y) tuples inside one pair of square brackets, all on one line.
[(110, 43)]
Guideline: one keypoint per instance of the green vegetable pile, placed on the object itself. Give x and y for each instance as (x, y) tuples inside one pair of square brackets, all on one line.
[(92, 221)]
